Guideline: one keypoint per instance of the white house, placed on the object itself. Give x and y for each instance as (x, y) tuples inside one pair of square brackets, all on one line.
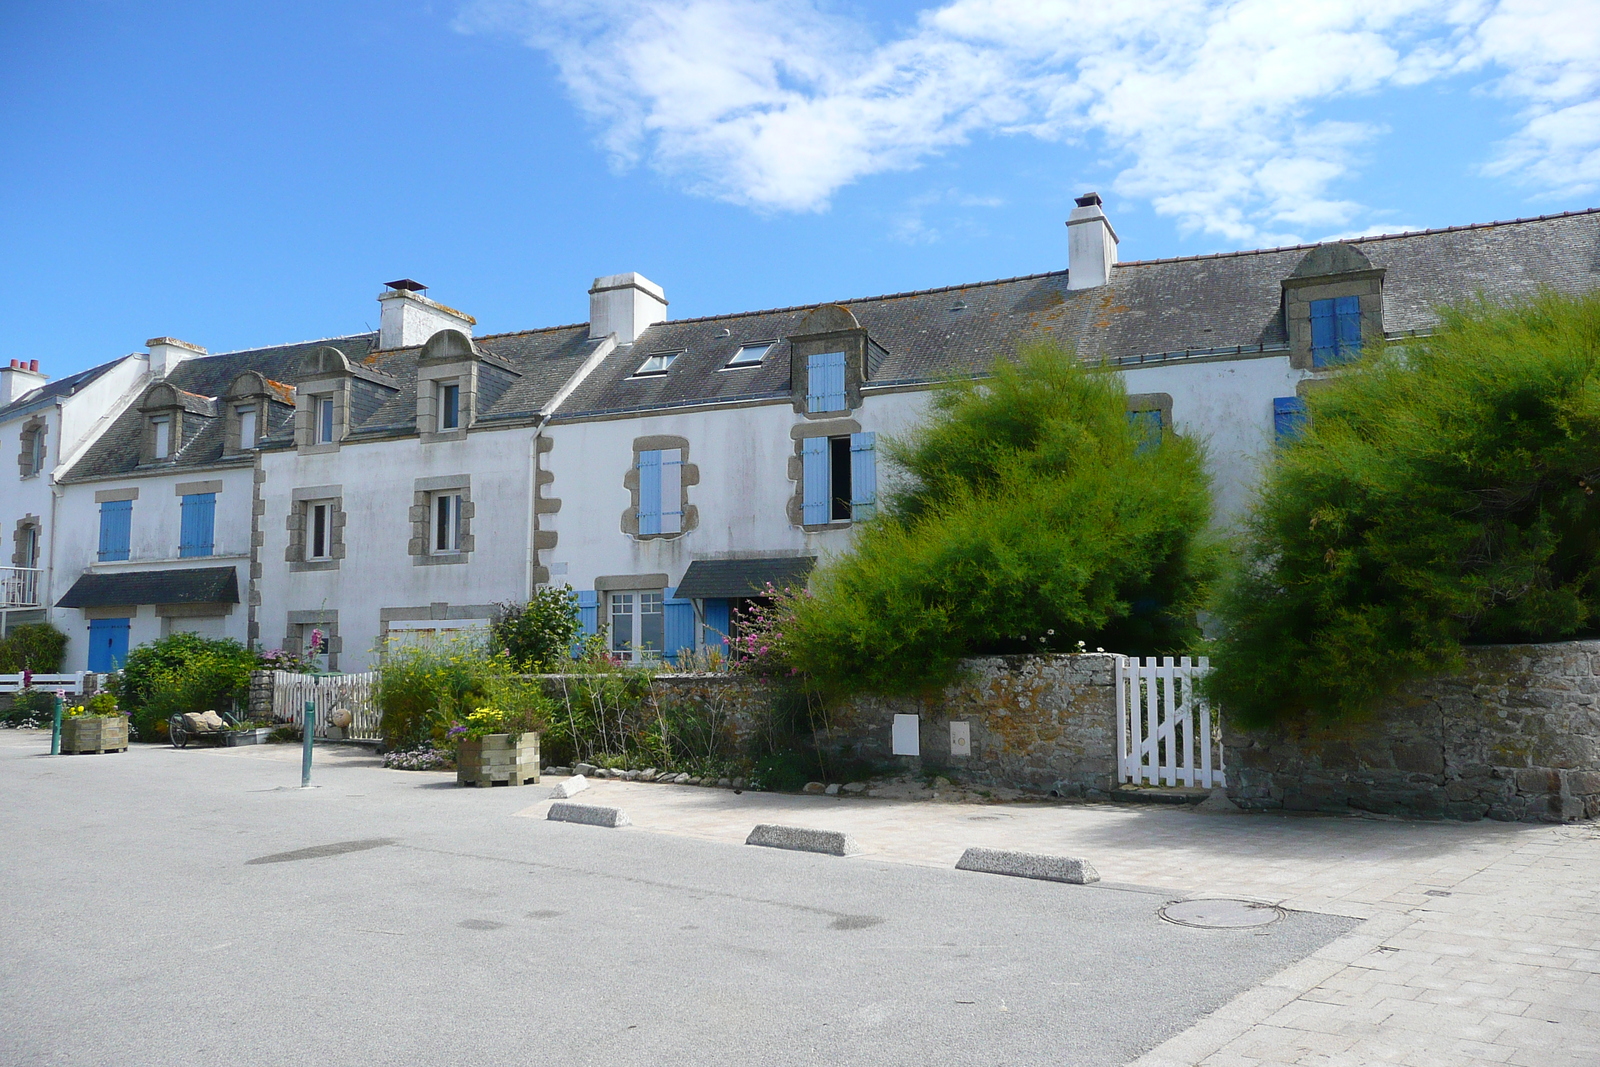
[(411, 479)]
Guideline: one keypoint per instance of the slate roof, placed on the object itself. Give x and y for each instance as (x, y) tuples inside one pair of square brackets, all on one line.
[(1195, 304), (719, 578), (194, 585), (63, 387)]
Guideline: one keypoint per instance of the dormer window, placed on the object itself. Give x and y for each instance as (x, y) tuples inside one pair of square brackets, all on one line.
[(750, 355), (656, 364), (247, 426), (1335, 330), (450, 406), (162, 430)]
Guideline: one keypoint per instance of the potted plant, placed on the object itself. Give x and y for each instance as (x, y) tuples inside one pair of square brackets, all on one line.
[(94, 726), (247, 732), (490, 749)]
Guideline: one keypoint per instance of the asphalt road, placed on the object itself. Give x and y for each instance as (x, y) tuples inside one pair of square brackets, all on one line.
[(197, 907)]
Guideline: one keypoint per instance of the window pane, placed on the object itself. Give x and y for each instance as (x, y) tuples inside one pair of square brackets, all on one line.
[(247, 427), (443, 524), (839, 478), (325, 421), (621, 622), (451, 415), (163, 438), (752, 354), (652, 635), (319, 530)]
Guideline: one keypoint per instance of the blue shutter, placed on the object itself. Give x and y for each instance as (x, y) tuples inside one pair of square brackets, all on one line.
[(814, 480), (1324, 334), (863, 475), (108, 644), (1147, 427), (116, 529), (718, 623), (1347, 310), (825, 382), (588, 617), (650, 492), (199, 524), (1288, 417), (678, 626)]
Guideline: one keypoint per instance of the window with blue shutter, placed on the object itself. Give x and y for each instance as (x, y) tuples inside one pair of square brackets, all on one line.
[(863, 475), (1335, 330), (825, 382), (199, 524), (1147, 428), (116, 529), (1288, 417), (718, 624), (815, 499), (679, 626), (650, 492), (588, 617)]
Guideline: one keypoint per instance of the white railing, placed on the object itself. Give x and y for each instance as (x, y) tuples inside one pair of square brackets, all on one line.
[(69, 683), (353, 692), (19, 587), (1165, 731)]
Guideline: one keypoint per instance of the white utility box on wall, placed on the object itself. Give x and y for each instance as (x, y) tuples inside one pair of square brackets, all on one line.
[(905, 740), (960, 739)]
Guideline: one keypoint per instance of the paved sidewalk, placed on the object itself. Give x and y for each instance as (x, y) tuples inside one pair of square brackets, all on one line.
[(1481, 945)]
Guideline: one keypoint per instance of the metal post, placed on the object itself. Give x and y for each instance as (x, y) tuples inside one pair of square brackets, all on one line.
[(308, 727), (55, 729)]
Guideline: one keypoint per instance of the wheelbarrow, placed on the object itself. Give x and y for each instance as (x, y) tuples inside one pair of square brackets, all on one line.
[(192, 726)]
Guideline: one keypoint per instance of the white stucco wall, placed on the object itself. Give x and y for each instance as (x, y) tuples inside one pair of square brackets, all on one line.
[(378, 572), (156, 526)]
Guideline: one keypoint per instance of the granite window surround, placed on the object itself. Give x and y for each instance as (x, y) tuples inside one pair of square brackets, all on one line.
[(689, 475), (830, 328), (297, 633), (327, 374), (1327, 273), (34, 440), (450, 358), (298, 525), (1161, 402), (797, 501), (249, 391), (420, 547)]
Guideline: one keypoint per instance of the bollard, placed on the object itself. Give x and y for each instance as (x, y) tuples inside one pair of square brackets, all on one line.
[(55, 729), (308, 727)]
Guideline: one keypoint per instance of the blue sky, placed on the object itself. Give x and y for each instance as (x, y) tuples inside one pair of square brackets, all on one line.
[(240, 175)]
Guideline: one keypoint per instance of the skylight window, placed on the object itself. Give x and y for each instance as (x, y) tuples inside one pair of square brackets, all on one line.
[(656, 364), (751, 354)]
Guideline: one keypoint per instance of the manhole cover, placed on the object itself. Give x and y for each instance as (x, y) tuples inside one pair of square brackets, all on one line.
[(1221, 914)]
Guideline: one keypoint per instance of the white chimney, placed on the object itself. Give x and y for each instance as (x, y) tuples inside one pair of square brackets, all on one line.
[(408, 318), (1091, 244), (626, 305), (167, 352), (20, 378)]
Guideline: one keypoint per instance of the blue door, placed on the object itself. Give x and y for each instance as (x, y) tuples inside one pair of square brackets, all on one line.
[(108, 644)]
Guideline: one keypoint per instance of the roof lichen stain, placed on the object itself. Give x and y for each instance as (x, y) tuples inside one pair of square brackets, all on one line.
[(284, 390)]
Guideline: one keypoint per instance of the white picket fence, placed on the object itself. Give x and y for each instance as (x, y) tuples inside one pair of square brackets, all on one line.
[(1165, 731), (353, 692), (69, 683)]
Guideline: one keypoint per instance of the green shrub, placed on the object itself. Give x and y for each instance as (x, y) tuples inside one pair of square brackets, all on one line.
[(30, 706), (180, 673), (432, 693), (1031, 514), (1441, 494), (538, 635), (35, 646)]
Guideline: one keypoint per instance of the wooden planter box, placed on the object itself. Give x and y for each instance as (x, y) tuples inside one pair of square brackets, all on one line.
[(499, 759), (257, 736), (107, 733)]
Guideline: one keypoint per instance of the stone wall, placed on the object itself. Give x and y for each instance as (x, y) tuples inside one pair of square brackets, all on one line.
[(1040, 723), (1516, 736)]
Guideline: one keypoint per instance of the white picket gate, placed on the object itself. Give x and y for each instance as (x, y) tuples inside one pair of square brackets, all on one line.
[(328, 691), (69, 683), (1165, 732)]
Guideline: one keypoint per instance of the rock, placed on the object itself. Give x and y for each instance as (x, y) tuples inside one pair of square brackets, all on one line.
[(695, 781), (940, 782), (832, 790), (815, 788), (799, 839), (570, 788), (559, 770), (682, 779), (724, 783), (630, 776), (1028, 865), (588, 814), (1218, 804), (855, 787), (648, 774), (874, 792), (738, 783), (582, 768)]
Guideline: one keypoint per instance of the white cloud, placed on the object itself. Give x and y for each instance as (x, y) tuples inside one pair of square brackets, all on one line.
[(777, 104)]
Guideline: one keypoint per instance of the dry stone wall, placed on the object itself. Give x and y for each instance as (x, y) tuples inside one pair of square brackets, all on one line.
[(1516, 736)]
